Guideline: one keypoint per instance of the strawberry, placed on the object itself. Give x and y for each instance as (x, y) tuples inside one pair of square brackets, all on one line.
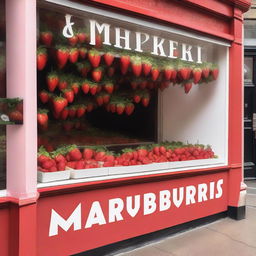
[(106, 98), (59, 103), (124, 62), (61, 166), (98, 41), (215, 72), (64, 114), (83, 68), (52, 80), (108, 87), (42, 155), (63, 82), (81, 109), (94, 58), (97, 74), (108, 58), (82, 52), (62, 55), (110, 71), (48, 164), (42, 117), (44, 96), (73, 55), (162, 150), (68, 126), (89, 106), (88, 153), (145, 100), (168, 70), (85, 86), (164, 85), (15, 116), (74, 153), (197, 74), (155, 73), (146, 67), (142, 152), (46, 37), (68, 94), (136, 65), (184, 72), (99, 88), (82, 36), (72, 111), (99, 100), (136, 98), (93, 88), (100, 155), (143, 84), (120, 107), (112, 107), (73, 40), (205, 71), (42, 58), (134, 84), (75, 87), (174, 74), (156, 150), (129, 108), (80, 165), (187, 87)]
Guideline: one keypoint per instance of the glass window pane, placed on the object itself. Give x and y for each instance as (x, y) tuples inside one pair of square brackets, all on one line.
[(2, 95), (248, 68), (250, 32)]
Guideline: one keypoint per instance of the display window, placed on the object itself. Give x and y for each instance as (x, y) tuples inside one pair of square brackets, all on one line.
[(2, 95), (118, 96)]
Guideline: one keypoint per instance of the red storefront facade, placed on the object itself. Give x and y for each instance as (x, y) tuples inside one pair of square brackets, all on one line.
[(121, 202)]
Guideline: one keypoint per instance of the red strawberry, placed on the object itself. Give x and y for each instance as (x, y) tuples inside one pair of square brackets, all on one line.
[(129, 108), (73, 55), (136, 65), (83, 68), (197, 74), (136, 98), (98, 41), (59, 103), (61, 166), (81, 109), (41, 58), (99, 100), (94, 58), (146, 67), (110, 71), (80, 165), (69, 95), (72, 111), (124, 62), (64, 113), (168, 72), (89, 107), (97, 74), (106, 98), (44, 96), (142, 152), (82, 36), (187, 87), (184, 73), (42, 117), (63, 82), (143, 84), (42, 155), (215, 73), (82, 52), (93, 88), (62, 56), (156, 150), (74, 153), (145, 100), (73, 40), (112, 107), (155, 73), (46, 37), (108, 58), (48, 164), (68, 126), (88, 153), (134, 84), (75, 87), (85, 86), (108, 87), (15, 116), (162, 150), (100, 155), (120, 107), (52, 80), (205, 72)]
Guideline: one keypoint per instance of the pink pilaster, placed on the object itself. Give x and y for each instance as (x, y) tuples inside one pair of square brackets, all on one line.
[(21, 82)]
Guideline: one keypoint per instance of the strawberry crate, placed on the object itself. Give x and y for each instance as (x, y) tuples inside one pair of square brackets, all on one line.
[(53, 176)]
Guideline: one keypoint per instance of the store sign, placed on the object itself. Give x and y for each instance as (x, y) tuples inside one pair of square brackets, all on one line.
[(125, 39), (74, 222), (145, 203)]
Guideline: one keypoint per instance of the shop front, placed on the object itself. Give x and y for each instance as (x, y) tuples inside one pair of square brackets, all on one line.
[(131, 120)]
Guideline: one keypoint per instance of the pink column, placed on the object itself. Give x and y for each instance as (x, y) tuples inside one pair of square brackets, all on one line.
[(21, 82)]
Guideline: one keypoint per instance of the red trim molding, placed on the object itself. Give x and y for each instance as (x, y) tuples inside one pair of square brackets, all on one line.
[(243, 5)]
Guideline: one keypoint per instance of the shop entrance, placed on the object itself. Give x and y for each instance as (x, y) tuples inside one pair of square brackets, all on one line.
[(249, 115)]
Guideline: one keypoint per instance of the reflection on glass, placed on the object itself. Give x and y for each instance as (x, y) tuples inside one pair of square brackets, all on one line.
[(248, 67)]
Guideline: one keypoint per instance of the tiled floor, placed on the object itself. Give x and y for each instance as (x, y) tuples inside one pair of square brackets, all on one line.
[(225, 237)]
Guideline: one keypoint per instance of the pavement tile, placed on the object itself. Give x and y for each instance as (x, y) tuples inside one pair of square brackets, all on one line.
[(251, 200)]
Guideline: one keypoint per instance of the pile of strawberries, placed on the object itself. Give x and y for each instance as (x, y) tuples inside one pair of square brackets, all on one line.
[(99, 73), (96, 157)]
